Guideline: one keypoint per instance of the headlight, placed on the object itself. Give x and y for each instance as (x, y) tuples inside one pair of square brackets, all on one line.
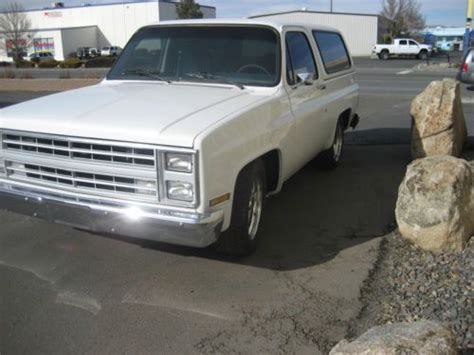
[(179, 162), (181, 191)]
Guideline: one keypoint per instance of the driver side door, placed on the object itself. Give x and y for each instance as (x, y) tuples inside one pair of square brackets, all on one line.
[(307, 94)]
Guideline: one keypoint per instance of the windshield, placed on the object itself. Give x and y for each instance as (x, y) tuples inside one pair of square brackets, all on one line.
[(217, 54)]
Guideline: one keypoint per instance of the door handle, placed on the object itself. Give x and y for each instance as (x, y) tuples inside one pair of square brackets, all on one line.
[(321, 87)]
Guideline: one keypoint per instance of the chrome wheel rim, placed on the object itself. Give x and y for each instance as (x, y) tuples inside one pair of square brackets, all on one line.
[(338, 141), (255, 209)]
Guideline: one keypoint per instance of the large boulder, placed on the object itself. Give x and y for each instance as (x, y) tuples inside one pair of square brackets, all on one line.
[(421, 338), (435, 206), (438, 126)]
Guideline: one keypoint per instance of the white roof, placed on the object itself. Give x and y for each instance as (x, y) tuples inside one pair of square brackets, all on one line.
[(278, 24)]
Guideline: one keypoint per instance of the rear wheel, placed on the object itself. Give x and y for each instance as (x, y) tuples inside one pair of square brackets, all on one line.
[(423, 55), (241, 237), (384, 55), (329, 159)]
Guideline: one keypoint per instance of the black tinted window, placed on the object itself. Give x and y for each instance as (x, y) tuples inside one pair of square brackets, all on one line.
[(412, 43), (301, 55), (403, 43), (215, 54), (333, 51)]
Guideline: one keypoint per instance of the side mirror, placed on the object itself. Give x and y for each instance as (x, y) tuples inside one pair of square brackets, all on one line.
[(306, 78)]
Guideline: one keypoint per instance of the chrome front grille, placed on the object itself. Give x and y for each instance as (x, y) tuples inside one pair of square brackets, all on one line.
[(83, 180), (80, 149)]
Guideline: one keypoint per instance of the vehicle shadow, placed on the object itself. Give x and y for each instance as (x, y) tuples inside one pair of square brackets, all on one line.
[(320, 213)]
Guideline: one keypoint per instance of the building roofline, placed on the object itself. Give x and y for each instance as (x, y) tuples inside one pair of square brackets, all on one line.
[(312, 12), (63, 28), (125, 2)]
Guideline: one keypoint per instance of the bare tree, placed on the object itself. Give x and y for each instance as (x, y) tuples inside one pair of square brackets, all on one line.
[(402, 16), (15, 29)]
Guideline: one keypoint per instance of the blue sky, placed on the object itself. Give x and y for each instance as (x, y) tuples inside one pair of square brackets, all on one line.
[(437, 12)]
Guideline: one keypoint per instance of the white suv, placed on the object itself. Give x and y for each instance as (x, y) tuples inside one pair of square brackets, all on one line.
[(113, 51), (197, 122)]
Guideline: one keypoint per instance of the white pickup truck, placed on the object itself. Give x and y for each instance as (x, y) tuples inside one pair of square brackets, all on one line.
[(402, 47), (197, 122)]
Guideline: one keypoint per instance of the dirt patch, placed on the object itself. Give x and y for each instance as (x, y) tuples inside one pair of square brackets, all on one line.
[(40, 85)]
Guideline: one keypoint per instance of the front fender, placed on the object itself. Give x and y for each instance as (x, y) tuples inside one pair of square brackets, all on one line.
[(235, 142)]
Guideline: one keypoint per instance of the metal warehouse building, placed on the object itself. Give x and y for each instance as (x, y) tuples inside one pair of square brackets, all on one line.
[(62, 30), (359, 30)]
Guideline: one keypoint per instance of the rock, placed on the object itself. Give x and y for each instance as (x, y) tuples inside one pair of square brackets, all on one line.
[(435, 206), (422, 337), (438, 126)]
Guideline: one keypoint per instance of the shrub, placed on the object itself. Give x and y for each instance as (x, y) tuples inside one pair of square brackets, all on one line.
[(71, 63), (50, 63), (24, 64), (7, 74), (101, 62), (26, 76)]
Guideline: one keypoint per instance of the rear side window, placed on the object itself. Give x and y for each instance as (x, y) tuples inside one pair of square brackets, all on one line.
[(333, 51), (402, 43), (300, 57)]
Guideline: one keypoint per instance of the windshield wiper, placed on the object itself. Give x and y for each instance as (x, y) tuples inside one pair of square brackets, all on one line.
[(148, 74), (214, 78)]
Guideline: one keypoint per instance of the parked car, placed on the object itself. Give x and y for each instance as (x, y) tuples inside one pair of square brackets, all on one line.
[(113, 51), (183, 145), (402, 47), (466, 72), (41, 57), (87, 52)]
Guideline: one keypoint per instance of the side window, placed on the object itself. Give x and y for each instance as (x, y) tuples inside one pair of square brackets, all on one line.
[(333, 51), (301, 55), (413, 43), (403, 43)]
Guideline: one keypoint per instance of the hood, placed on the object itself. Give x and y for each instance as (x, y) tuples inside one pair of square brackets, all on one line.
[(130, 111)]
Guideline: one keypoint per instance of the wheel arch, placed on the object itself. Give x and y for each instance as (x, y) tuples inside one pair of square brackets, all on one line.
[(272, 163), (345, 116)]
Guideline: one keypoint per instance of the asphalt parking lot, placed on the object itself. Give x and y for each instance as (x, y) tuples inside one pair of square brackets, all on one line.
[(67, 291)]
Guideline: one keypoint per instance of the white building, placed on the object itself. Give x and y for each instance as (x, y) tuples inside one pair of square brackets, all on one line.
[(445, 38), (359, 30), (63, 30)]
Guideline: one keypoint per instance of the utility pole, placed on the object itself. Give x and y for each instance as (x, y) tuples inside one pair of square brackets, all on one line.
[(331, 6), (467, 33)]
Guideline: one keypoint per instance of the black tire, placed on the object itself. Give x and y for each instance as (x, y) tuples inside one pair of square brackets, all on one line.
[(384, 55), (423, 55), (238, 240), (329, 159)]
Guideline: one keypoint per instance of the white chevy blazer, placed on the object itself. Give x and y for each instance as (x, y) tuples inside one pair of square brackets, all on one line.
[(196, 123)]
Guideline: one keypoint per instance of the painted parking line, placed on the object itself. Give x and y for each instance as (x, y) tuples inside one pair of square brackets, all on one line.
[(404, 72)]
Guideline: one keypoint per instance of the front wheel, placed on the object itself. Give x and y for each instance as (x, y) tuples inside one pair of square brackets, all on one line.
[(329, 159), (241, 237)]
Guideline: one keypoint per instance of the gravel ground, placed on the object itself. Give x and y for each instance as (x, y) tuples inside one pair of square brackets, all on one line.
[(409, 284)]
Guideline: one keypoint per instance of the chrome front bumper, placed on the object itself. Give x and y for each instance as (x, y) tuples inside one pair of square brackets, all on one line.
[(105, 215)]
